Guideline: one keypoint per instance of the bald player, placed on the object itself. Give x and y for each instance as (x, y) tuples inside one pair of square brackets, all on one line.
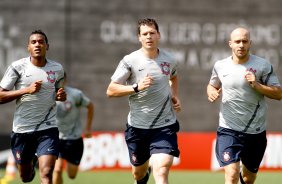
[(243, 80)]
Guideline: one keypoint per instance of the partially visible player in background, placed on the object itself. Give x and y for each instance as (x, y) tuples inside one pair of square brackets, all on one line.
[(244, 80), (70, 128), (34, 82)]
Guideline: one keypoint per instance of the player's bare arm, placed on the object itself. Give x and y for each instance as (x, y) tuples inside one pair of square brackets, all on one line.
[(117, 90), (213, 93), (174, 90), (273, 92), (90, 115), (8, 96)]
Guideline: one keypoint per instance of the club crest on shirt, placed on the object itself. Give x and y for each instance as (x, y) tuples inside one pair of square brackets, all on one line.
[(51, 76), (134, 158), (165, 68), (226, 156), (252, 70)]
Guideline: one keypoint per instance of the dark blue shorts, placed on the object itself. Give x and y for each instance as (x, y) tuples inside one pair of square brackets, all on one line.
[(233, 146), (71, 150), (26, 145), (142, 143)]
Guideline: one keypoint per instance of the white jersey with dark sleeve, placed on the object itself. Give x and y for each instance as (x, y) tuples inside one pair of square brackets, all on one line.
[(68, 114), (34, 111), (152, 107), (243, 108)]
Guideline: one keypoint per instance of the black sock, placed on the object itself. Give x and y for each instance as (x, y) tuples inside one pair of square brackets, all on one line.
[(144, 180), (241, 179)]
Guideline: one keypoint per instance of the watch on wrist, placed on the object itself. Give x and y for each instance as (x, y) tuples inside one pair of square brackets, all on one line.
[(135, 87)]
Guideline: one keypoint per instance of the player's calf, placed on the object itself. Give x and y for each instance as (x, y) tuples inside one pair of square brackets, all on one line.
[(145, 179)]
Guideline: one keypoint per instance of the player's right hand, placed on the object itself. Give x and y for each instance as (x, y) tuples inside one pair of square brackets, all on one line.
[(145, 83), (35, 87), (214, 94)]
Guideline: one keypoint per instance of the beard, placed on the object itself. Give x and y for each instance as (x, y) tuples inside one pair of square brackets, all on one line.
[(242, 54)]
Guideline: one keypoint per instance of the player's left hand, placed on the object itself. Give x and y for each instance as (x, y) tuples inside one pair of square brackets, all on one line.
[(251, 78), (176, 104), (61, 95), (87, 134)]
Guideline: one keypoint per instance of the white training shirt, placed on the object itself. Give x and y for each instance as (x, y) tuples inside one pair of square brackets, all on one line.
[(152, 107), (68, 114), (243, 108), (33, 111)]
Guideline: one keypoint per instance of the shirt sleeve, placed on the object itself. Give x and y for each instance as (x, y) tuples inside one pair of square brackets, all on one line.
[(122, 72), (173, 71), (269, 77), (10, 78), (83, 99), (214, 80), (60, 79)]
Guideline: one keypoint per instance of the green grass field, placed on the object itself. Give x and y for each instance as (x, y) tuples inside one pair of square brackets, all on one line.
[(176, 177)]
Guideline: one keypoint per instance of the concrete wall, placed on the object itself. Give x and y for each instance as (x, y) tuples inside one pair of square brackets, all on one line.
[(90, 37)]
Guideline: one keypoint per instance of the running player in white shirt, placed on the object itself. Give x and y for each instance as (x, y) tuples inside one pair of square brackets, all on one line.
[(244, 81), (34, 82), (145, 75)]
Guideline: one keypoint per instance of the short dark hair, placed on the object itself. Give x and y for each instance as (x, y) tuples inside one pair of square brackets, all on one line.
[(38, 31), (148, 22)]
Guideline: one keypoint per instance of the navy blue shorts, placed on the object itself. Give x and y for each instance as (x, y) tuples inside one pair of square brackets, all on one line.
[(233, 146), (25, 145), (71, 150), (142, 143)]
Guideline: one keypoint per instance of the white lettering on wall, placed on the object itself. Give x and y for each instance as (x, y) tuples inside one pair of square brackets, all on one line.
[(188, 33), (205, 42), (105, 150), (8, 52), (273, 156), (118, 32)]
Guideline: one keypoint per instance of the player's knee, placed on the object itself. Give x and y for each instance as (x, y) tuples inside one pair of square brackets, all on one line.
[(232, 175), (72, 172), (163, 171), (137, 175), (249, 180), (72, 175), (57, 173), (46, 172)]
